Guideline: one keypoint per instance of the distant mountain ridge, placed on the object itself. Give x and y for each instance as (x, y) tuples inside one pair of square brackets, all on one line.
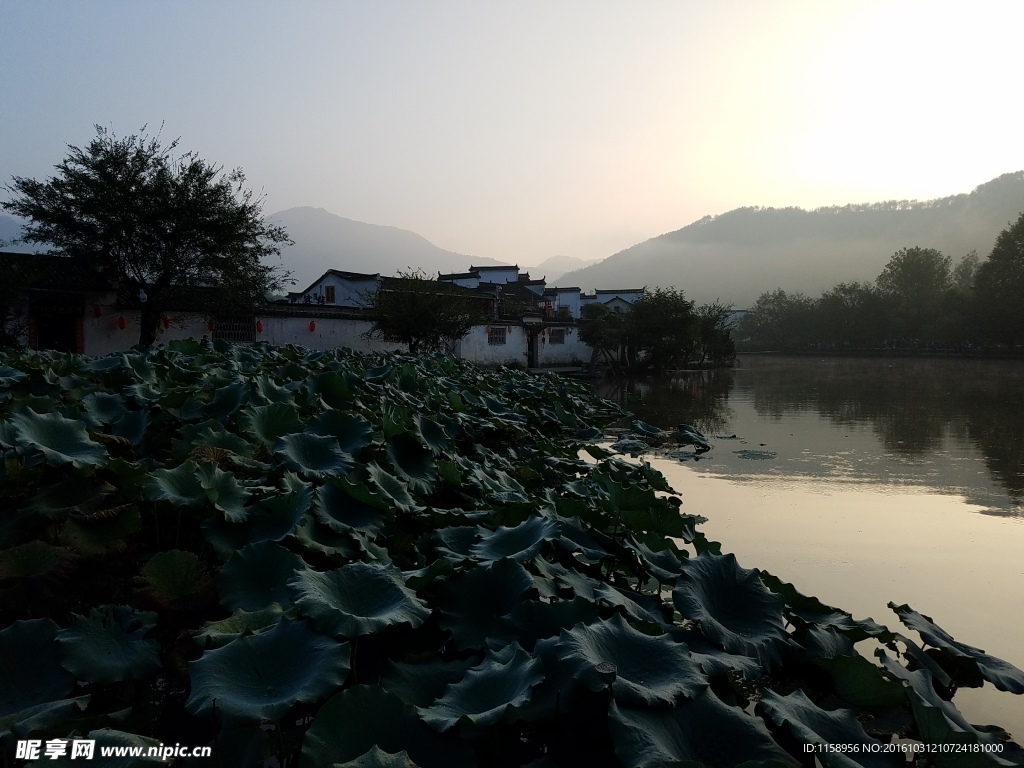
[(325, 241), (740, 254)]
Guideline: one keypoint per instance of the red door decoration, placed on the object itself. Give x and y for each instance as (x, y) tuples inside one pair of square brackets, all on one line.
[(259, 326)]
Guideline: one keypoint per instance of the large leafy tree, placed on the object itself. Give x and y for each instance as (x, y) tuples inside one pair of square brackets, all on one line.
[(999, 286), (154, 224), (424, 313), (914, 284), (662, 328)]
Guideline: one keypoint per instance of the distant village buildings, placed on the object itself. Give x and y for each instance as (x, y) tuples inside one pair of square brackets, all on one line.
[(526, 322)]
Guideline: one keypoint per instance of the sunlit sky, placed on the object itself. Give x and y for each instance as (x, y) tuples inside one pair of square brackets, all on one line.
[(521, 130)]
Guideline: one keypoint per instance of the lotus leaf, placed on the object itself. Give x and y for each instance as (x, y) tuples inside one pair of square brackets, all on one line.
[(413, 462), (41, 718), (214, 634), (376, 757), (420, 684), (224, 491), (174, 575), (705, 732), (268, 423), (104, 534), (255, 576), (348, 725), (276, 516), (61, 440), (260, 677), (28, 685), (488, 693), (520, 543), (180, 486), (110, 645), (647, 670), (533, 620), (353, 433), (104, 407), (732, 605), (314, 455), (33, 558), (473, 601), (455, 543), (392, 488), (1001, 674), (811, 724), (432, 434), (357, 599)]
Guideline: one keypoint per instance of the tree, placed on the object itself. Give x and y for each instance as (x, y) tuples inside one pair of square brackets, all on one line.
[(999, 286), (424, 313), (602, 330), (154, 225), (914, 284), (714, 333), (661, 326), (779, 321)]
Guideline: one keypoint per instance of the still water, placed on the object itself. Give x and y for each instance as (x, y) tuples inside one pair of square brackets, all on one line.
[(864, 481)]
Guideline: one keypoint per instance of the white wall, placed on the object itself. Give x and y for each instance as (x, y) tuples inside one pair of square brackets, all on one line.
[(330, 333), (347, 293), (474, 347), (572, 352), (101, 336)]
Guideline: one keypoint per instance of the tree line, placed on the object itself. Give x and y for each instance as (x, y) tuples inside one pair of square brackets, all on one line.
[(919, 300)]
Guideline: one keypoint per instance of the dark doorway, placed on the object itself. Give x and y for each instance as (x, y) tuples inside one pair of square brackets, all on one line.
[(56, 332), (533, 349)]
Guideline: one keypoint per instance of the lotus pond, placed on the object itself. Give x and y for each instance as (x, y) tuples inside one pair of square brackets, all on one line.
[(324, 559)]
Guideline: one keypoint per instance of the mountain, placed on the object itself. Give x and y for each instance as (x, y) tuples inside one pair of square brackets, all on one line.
[(10, 228), (556, 266), (325, 241), (740, 254)]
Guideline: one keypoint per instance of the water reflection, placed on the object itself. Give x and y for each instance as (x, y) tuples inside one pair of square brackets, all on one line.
[(947, 425)]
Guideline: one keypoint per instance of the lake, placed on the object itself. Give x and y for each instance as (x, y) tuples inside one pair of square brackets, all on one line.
[(864, 481)]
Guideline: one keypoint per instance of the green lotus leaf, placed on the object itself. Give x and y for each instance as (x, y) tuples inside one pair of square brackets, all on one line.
[(454, 543), (534, 620), (102, 535), (805, 611), (131, 426), (413, 462), (712, 659), (260, 677), (420, 684), (376, 757), (353, 433), (348, 725), (827, 643), (215, 634), (810, 724), (41, 718), (322, 540), (432, 434), (732, 605), (332, 388), (1001, 674), (473, 602), (705, 732), (862, 684), (174, 575), (30, 670), (346, 506), (646, 670), (224, 491), (255, 577), (357, 599), (104, 407), (109, 645), (274, 517), (488, 693), (139, 366), (269, 423), (211, 435), (392, 488), (11, 376), (521, 542), (271, 391), (180, 486), (227, 400), (939, 721), (314, 455), (61, 440), (33, 558)]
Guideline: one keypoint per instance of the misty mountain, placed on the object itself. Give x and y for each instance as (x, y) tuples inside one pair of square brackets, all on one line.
[(740, 254), (556, 266), (325, 241), (10, 229)]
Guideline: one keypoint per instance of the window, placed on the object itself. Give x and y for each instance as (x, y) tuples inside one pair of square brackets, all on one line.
[(496, 335), (329, 294), (237, 329), (556, 336)]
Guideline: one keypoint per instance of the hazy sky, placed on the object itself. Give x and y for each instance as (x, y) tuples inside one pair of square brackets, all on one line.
[(521, 130)]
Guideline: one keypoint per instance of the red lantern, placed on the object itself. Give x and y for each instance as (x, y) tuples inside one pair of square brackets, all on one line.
[(312, 325), (122, 323), (510, 329), (259, 326), (211, 325), (97, 310), (166, 321)]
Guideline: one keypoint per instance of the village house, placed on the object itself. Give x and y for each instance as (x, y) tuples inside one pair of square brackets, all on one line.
[(526, 322)]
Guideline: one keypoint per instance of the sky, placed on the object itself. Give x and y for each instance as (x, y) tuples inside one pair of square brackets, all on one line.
[(523, 130)]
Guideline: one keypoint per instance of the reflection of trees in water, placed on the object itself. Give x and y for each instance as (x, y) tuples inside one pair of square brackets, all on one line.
[(913, 405), (699, 398)]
